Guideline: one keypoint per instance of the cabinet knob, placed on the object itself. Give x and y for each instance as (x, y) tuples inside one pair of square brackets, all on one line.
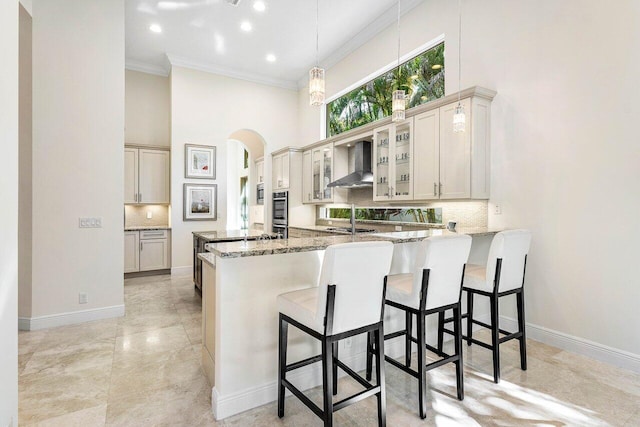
[(440, 189), (435, 189)]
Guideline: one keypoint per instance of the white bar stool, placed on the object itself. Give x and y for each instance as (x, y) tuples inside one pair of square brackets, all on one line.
[(503, 275), (433, 287), (348, 301)]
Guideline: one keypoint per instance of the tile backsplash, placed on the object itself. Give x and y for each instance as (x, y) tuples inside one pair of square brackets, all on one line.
[(136, 216)]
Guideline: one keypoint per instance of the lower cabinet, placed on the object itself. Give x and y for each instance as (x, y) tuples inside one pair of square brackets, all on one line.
[(146, 250)]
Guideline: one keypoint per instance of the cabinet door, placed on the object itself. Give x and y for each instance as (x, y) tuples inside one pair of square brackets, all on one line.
[(426, 159), (154, 176), (381, 165), (131, 251), (402, 158), (285, 170), (455, 155), (306, 177), (327, 171), (131, 175), (277, 172), (260, 172), (316, 175), (154, 254)]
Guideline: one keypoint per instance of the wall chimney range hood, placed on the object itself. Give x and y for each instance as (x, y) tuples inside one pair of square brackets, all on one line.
[(362, 176)]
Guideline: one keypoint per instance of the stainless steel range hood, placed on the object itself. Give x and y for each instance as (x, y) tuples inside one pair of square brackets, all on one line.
[(362, 176)]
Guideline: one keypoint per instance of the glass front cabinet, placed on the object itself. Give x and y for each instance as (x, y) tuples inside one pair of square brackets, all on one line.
[(393, 162), (320, 171)]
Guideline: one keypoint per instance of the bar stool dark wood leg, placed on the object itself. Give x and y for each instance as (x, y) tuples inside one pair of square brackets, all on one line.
[(469, 317), (441, 330), (327, 379), (521, 328), (407, 339), (495, 337), (335, 367), (282, 363), (457, 330), (381, 396), (422, 371), (370, 339)]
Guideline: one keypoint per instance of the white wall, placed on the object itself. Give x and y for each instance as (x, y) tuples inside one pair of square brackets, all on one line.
[(9, 213), (146, 109), (207, 109), (78, 158), (564, 144), (25, 170)]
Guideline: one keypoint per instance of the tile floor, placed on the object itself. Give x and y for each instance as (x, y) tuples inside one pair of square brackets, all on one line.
[(144, 370)]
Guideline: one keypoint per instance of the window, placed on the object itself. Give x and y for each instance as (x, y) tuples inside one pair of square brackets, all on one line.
[(416, 215), (422, 78)]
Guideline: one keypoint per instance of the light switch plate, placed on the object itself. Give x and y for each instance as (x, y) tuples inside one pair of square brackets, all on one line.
[(497, 210), (83, 298), (149, 215), (90, 222)]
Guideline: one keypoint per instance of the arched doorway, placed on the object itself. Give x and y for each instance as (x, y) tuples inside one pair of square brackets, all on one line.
[(244, 146)]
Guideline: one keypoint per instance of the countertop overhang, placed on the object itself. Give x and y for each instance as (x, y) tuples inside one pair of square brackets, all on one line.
[(227, 235)]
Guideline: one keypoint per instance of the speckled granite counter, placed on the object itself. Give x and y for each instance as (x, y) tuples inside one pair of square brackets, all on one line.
[(283, 246), (147, 227), (227, 235)]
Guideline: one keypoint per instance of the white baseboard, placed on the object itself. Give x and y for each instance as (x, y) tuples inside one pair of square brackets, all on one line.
[(584, 347), (182, 271), (304, 378), (71, 318)]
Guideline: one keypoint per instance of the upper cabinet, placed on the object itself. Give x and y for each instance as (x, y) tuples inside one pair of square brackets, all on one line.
[(280, 164), (260, 170), (448, 164), (147, 176), (307, 178), (393, 162), (319, 169)]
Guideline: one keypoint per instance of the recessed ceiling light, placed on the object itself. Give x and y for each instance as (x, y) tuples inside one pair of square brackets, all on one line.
[(246, 26), (155, 28), (259, 6), (271, 57), (436, 67)]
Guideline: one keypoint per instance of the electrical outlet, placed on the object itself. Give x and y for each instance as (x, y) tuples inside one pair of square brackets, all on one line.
[(83, 298), (149, 215), (398, 228), (497, 210), (348, 342), (90, 222)]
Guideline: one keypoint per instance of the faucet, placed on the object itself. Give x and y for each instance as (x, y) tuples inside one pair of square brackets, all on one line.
[(353, 219)]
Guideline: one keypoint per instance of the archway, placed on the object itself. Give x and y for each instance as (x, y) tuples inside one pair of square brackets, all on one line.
[(244, 146)]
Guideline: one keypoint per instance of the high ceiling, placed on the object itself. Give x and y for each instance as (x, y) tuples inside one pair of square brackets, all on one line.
[(207, 34)]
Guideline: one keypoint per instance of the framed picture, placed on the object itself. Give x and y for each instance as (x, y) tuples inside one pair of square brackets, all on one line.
[(200, 202), (199, 161)]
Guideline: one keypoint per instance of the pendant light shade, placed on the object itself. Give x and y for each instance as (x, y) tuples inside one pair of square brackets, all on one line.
[(459, 119), (316, 75), (398, 98), (398, 105), (316, 86)]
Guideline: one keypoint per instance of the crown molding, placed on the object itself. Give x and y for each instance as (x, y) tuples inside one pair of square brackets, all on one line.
[(143, 67), (371, 30), (177, 61)]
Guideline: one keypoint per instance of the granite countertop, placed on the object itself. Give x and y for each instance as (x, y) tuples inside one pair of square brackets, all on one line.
[(216, 236), (283, 246), (322, 228), (147, 227)]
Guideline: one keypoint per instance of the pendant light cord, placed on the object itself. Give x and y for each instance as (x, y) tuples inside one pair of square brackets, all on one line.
[(398, 37), (459, 45), (317, 31)]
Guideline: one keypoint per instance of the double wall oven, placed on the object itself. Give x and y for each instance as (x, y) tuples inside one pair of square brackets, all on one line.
[(280, 219)]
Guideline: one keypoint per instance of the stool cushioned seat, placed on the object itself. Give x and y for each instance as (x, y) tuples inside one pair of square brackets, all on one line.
[(301, 305)]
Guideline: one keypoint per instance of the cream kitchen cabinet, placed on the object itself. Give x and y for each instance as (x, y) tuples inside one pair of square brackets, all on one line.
[(260, 170), (146, 176), (131, 251), (307, 177), (318, 172), (280, 165), (146, 250), (450, 165), (393, 162)]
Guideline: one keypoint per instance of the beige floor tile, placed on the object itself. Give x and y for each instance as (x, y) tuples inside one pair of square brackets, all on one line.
[(94, 417)]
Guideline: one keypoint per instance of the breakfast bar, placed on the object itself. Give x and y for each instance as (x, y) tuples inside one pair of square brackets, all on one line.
[(241, 281)]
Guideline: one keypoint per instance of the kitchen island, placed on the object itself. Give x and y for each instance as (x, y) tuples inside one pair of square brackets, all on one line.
[(240, 284)]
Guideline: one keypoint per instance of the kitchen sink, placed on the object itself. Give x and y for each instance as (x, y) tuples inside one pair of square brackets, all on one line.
[(348, 229)]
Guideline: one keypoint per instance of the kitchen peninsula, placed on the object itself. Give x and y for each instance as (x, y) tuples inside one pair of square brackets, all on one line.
[(241, 281)]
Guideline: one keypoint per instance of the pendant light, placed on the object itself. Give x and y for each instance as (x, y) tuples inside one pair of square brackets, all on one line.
[(398, 100), (316, 76), (459, 117)]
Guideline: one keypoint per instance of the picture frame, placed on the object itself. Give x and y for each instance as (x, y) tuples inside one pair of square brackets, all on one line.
[(200, 202), (199, 161)]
